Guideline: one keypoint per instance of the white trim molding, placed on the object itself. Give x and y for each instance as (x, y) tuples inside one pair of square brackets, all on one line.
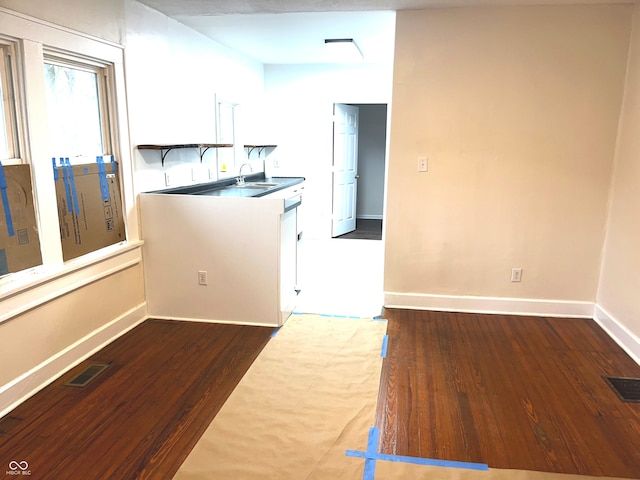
[(629, 342), (495, 305), (26, 385), (37, 288), (212, 320)]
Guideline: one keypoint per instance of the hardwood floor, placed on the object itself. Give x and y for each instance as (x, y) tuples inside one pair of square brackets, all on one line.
[(366, 229), (142, 416), (513, 392)]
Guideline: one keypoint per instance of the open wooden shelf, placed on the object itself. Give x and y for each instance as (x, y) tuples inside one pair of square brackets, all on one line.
[(260, 149), (202, 148)]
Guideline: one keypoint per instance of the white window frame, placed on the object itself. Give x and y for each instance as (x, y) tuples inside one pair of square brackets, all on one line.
[(33, 37), (103, 73), (12, 113), (222, 123)]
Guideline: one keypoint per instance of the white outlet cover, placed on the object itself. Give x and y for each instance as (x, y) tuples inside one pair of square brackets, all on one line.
[(423, 164)]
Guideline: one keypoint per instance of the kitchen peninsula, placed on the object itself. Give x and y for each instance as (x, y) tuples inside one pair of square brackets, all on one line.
[(223, 251)]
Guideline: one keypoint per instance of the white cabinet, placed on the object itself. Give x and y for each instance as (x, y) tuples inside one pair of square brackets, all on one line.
[(288, 262), (246, 246)]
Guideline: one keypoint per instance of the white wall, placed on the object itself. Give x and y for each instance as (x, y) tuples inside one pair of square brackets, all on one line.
[(372, 136), (619, 291), (173, 77), (299, 109), (517, 109)]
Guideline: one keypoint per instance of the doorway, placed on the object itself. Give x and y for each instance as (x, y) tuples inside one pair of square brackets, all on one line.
[(359, 153), (343, 274)]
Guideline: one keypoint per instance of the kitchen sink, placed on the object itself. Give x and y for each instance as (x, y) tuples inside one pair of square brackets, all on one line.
[(257, 185)]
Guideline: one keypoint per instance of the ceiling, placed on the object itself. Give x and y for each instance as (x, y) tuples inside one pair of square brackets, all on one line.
[(293, 31)]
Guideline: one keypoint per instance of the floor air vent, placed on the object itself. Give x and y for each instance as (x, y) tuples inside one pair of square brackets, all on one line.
[(627, 389), (89, 373)]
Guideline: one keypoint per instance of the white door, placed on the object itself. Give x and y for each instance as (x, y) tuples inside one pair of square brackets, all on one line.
[(345, 168)]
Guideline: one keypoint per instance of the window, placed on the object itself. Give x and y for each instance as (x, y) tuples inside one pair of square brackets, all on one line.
[(77, 110), (227, 121), (87, 182), (9, 138), (62, 93)]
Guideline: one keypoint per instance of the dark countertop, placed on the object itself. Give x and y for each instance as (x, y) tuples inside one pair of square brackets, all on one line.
[(228, 187)]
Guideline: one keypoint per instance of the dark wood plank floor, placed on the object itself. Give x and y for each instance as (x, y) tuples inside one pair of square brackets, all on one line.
[(366, 229), (513, 392), (142, 416)]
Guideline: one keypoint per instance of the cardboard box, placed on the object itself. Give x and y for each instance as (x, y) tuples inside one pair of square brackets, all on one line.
[(89, 207), (19, 240)]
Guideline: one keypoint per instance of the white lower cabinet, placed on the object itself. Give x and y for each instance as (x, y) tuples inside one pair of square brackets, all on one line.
[(246, 246)]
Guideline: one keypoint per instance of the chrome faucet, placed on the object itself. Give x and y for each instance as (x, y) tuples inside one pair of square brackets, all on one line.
[(240, 178)]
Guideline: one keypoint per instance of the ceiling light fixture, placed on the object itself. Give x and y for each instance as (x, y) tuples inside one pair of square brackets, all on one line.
[(344, 49)]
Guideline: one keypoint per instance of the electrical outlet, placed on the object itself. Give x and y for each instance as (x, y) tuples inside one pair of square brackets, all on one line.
[(276, 163), (516, 274), (423, 164), (167, 179), (193, 174), (202, 277), (212, 173)]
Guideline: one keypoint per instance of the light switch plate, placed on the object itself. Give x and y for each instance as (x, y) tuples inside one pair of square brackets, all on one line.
[(423, 164)]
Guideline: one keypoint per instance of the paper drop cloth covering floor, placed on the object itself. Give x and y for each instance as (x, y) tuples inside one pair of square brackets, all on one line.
[(308, 399)]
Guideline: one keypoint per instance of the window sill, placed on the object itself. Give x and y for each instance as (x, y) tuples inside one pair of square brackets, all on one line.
[(23, 291)]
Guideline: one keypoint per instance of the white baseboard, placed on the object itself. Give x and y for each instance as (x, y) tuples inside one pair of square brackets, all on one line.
[(208, 320), (369, 217), (497, 305), (620, 334), (29, 383)]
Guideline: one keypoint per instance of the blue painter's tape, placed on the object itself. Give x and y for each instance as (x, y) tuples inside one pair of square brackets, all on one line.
[(380, 319), (67, 184), (432, 462), (372, 449), (4, 265), (369, 469), (356, 453), (74, 193), (275, 332), (372, 455), (374, 438), (385, 343), (114, 167), (55, 169), (102, 175), (5, 202)]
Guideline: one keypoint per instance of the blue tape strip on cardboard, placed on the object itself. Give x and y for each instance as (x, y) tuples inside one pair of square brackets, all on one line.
[(19, 238), (87, 221), (67, 185), (5, 202), (74, 193), (55, 169), (102, 174)]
